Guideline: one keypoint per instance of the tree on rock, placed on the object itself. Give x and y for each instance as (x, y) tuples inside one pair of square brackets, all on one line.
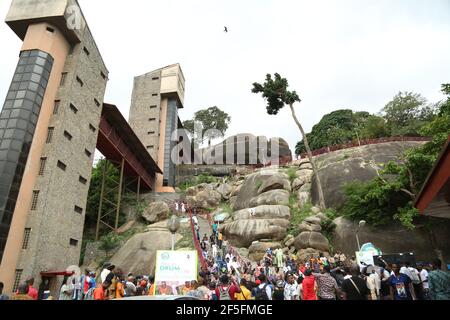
[(213, 123), (276, 93)]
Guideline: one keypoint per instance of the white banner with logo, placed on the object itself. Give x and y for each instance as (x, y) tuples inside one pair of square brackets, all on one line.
[(173, 269)]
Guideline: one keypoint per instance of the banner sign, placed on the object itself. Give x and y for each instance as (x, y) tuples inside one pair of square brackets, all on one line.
[(173, 269), (364, 256), (369, 247)]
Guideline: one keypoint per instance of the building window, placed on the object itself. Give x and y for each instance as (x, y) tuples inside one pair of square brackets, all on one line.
[(151, 132), (154, 94), (42, 166), (73, 108), (150, 147), (92, 128), (51, 30), (63, 78), (34, 200), (152, 119), (155, 78), (61, 165), (152, 107), (96, 102), (67, 135), (87, 152), (78, 209), (17, 279), (56, 107), (26, 238), (82, 180), (79, 81), (50, 135), (103, 75), (73, 242), (86, 50)]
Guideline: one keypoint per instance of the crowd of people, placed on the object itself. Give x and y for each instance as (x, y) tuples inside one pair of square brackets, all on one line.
[(225, 275)]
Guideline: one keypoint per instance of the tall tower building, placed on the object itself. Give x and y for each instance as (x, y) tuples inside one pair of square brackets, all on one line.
[(155, 101), (48, 134)]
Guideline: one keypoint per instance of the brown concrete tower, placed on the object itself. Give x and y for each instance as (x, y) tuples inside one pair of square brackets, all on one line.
[(155, 101), (48, 133)]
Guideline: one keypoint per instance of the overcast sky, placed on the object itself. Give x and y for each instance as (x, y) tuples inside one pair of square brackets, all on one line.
[(335, 54)]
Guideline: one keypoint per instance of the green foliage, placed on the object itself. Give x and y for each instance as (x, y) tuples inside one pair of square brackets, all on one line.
[(406, 113), (275, 92), (292, 173), (297, 214), (225, 207), (374, 127), (212, 123), (337, 127), (187, 240), (390, 196), (111, 181), (205, 178)]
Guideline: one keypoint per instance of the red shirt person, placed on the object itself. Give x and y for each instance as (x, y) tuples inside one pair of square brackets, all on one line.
[(308, 286), (225, 291), (32, 292)]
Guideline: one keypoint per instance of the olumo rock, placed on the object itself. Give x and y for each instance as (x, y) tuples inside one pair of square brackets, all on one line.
[(156, 211), (264, 212), (313, 220), (205, 199), (311, 239), (305, 254), (272, 197)]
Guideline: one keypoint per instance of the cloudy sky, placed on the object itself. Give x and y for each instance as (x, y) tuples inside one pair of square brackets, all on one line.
[(336, 54)]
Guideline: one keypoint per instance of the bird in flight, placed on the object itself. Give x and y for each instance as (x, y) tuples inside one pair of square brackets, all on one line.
[(226, 29)]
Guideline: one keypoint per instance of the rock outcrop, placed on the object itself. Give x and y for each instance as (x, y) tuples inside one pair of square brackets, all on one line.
[(311, 239), (156, 211), (258, 249)]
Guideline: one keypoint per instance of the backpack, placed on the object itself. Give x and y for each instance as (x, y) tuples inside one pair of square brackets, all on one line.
[(89, 294), (224, 295), (261, 293)]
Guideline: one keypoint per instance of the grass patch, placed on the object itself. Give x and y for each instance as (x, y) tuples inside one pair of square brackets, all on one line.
[(297, 214), (225, 207), (291, 172)]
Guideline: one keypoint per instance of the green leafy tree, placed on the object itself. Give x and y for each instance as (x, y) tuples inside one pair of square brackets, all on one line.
[(406, 113), (275, 92), (374, 127), (213, 123)]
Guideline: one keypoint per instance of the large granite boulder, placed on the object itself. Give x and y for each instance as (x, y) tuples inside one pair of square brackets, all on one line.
[(313, 220), (311, 239), (138, 254), (355, 164), (156, 211), (246, 148), (267, 222), (252, 184), (263, 212), (205, 199), (272, 197), (258, 249), (305, 226), (225, 190), (277, 181)]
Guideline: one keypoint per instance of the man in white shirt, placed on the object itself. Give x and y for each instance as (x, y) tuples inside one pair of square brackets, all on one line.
[(107, 268), (291, 290), (424, 278), (195, 219)]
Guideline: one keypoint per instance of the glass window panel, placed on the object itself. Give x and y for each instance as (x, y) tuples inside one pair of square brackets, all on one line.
[(35, 77), (41, 91), (12, 123), (16, 145), (11, 95), (34, 53), (46, 74), (38, 100), (2, 131), (13, 156), (38, 69), (20, 69), (22, 124), (40, 61), (27, 105), (33, 118), (25, 114), (26, 77), (8, 104), (19, 134), (18, 77), (7, 135), (25, 54), (36, 109), (5, 114), (23, 86), (43, 54), (22, 61), (29, 68), (14, 113), (3, 123), (31, 127), (20, 94), (18, 103), (43, 82), (14, 86), (30, 95), (5, 144), (33, 86)]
